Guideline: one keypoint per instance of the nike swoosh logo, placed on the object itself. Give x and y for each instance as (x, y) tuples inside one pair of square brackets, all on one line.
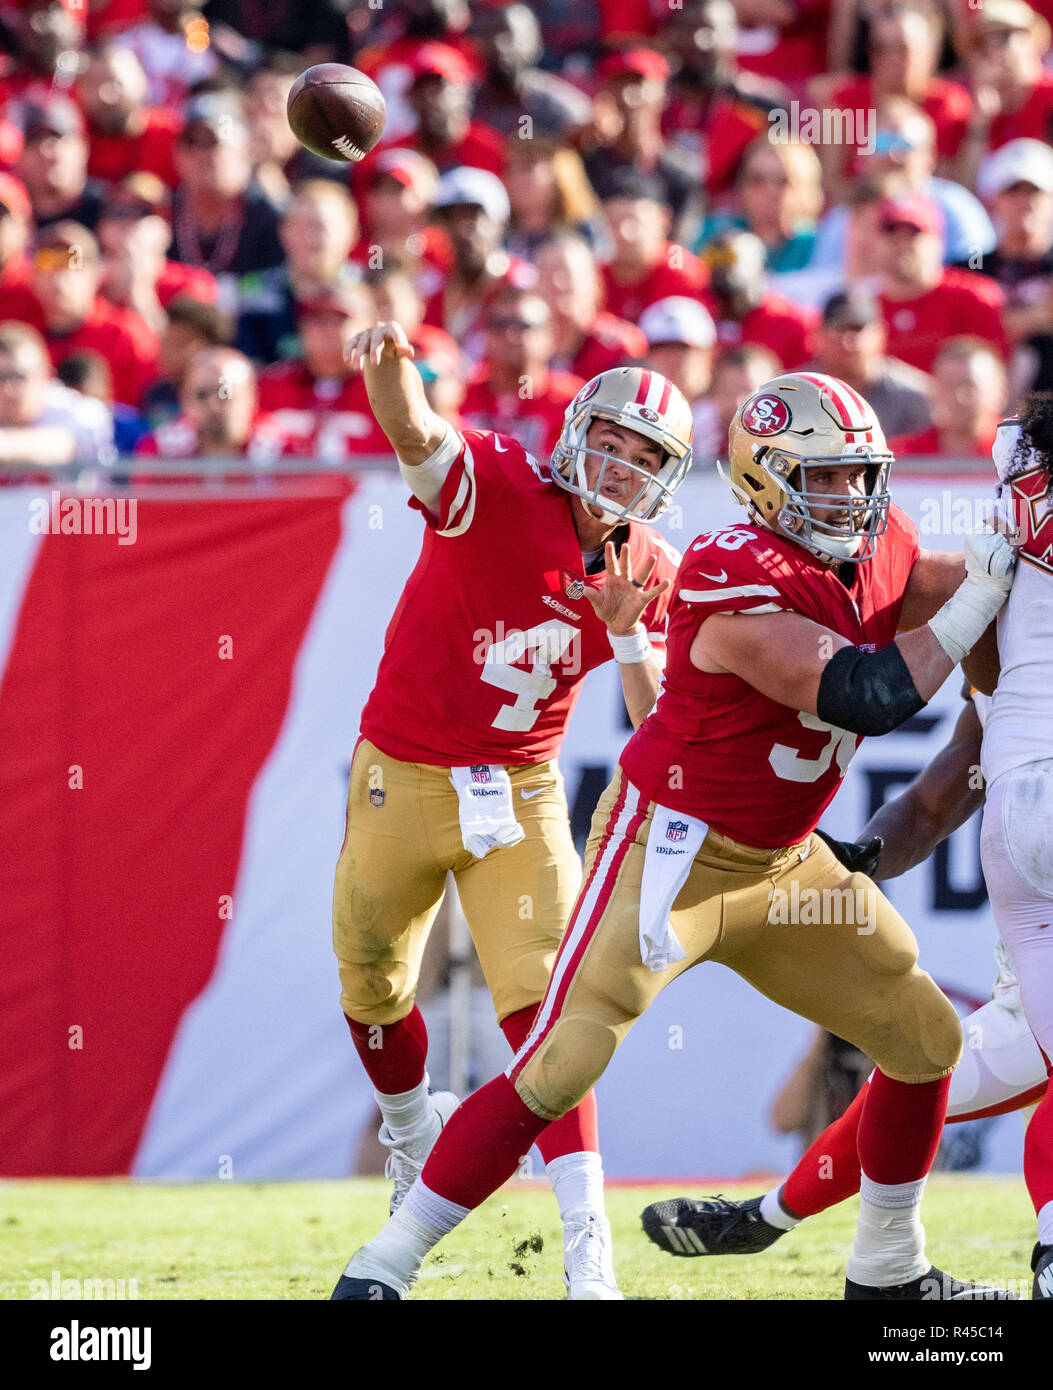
[(499, 446), (716, 578), (529, 796)]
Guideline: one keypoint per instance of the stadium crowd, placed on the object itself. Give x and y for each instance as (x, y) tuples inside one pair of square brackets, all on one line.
[(719, 189)]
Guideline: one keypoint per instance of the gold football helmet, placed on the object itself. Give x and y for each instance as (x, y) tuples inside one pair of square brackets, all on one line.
[(799, 421), (639, 400)]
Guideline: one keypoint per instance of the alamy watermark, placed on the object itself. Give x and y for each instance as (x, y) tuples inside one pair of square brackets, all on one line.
[(832, 125), (85, 516)]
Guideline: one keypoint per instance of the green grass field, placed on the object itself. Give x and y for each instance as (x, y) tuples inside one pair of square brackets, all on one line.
[(290, 1241)]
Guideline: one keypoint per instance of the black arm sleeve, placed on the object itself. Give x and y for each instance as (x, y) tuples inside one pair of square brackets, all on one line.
[(867, 692)]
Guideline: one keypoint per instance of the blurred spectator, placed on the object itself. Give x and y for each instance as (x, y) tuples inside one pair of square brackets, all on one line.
[(746, 311), (780, 195), (851, 346), (41, 420), (106, 17), (444, 384), (440, 96), (644, 265), (125, 134), (219, 414), (134, 234), (548, 191), (48, 36), (219, 220), (317, 231), (15, 218), (278, 158), (737, 374), (74, 317), (905, 44), (87, 374), (395, 297), (316, 403), (586, 339), (400, 34), (627, 136), (681, 337), (1017, 183), (1003, 42), (968, 401), (779, 38), (191, 327), (715, 110), (173, 46), (514, 391), (902, 161), (516, 97), (472, 206), (54, 164), (317, 29), (922, 302), (399, 191)]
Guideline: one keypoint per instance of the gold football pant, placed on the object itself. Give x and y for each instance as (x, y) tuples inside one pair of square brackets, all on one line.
[(793, 922), (403, 834)]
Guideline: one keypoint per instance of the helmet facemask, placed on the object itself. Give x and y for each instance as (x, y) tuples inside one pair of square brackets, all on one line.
[(865, 517), (655, 492)]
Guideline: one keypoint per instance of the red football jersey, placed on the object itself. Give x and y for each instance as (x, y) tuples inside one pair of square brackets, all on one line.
[(610, 342), (715, 747), (785, 328), (329, 420), (964, 302), (678, 272), (493, 635), (535, 421)]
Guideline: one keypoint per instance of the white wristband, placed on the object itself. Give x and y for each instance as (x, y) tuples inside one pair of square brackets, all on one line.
[(965, 617), (631, 649)]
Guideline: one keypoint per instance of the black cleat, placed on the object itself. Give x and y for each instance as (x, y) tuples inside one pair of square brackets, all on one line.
[(1042, 1264), (363, 1290), (932, 1285), (713, 1226)]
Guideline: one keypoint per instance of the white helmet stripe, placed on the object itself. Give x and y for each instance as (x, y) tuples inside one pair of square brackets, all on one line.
[(656, 392)]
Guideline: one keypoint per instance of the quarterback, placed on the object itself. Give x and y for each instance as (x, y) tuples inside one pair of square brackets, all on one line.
[(783, 652), (530, 576)]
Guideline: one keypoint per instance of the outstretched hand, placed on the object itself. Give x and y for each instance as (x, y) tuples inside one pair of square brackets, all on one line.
[(621, 600), (372, 343)]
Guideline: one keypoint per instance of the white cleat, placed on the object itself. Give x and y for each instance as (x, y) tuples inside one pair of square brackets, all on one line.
[(588, 1266), (408, 1156)]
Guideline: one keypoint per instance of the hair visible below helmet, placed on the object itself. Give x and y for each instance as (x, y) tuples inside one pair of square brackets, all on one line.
[(636, 399), (806, 420)]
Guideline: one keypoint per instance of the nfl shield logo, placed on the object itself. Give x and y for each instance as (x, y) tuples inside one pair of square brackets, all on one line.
[(481, 773), (376, 796), (573, 588), (676, 830)]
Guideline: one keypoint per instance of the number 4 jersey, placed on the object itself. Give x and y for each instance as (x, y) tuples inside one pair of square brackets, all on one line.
[(493, 636), (715, 747)]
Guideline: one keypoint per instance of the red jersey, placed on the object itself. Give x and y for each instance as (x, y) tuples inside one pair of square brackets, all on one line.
[(1034, 120), (177, 439), (753, 769), (493, 636), (948, 103), (963, 302), (122, 336), (784, 328), (676, 272), (535, 421), (113, 157), (326, 419), (610, 342), (930, 442), (481, 148)]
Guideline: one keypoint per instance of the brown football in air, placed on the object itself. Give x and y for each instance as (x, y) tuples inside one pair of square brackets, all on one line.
[(336, 111)]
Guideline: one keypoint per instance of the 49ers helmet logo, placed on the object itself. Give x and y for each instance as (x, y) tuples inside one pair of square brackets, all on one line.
[(766, 415)]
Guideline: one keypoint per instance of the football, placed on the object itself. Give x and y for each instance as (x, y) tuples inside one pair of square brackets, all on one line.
[(336, 111)]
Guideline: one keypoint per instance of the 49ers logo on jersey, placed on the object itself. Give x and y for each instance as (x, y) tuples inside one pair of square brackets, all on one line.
[(766, 415)]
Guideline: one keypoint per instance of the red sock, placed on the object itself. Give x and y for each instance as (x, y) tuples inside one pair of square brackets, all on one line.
[(481, 1144), (828, 1170), (393, 1054), (900, 1127), (1038, 1154), (577, 1132)]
